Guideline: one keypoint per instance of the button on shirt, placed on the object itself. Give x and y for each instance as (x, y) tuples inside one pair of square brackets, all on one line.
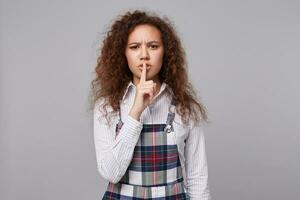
[(114, 154)]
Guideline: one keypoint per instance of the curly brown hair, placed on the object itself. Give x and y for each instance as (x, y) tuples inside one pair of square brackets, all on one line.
[(112, 62)]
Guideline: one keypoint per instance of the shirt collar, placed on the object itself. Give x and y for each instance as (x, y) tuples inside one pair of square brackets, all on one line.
[(131, 85)]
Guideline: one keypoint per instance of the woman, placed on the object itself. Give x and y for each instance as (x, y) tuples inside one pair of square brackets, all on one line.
[(148, 123)]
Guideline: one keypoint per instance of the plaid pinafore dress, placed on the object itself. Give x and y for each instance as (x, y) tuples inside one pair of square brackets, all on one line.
[(155, 170)]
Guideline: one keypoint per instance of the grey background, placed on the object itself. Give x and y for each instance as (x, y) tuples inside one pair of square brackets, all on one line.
[(243, 59)]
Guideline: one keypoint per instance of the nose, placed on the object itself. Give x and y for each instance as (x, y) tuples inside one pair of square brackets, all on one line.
[(144, 53)]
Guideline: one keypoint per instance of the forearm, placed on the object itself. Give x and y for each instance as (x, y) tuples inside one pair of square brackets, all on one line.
[(115, 155), (196, 165)]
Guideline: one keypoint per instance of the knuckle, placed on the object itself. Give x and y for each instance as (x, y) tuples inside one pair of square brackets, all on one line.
[(150, 82)]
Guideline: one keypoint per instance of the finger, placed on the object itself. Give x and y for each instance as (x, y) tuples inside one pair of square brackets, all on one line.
[(147, 90), (149, 86), (143, 75)]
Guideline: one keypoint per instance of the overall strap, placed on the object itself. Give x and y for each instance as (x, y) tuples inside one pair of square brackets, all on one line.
[(120, 120), (120, 123), (170, 118)]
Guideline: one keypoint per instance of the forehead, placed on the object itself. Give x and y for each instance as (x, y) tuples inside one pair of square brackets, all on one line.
[(144, 32)]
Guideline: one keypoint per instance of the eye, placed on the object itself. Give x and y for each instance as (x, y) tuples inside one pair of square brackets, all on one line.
[(133, 47), (154, 46)]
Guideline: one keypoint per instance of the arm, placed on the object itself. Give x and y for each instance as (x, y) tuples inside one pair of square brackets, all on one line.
[(114, 155), (196, 165)]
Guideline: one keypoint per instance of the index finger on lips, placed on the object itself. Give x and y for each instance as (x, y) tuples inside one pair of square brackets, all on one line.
[(143, 75)]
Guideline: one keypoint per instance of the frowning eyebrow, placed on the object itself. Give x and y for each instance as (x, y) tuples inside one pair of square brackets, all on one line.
[(154, 41)]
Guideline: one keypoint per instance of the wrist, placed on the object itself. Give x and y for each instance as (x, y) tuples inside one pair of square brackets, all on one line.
[(135, 114)]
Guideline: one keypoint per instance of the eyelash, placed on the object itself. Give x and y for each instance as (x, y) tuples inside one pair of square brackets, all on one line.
[(134, 47)]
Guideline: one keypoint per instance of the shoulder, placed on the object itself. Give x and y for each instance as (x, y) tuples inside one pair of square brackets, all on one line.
[(100, 104), (191, 120), (103, 111)]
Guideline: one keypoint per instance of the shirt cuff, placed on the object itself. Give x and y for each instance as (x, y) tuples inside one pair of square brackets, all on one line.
[(133, 128)]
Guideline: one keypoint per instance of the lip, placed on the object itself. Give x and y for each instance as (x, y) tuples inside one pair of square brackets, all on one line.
[(141, 65), (148, 66)]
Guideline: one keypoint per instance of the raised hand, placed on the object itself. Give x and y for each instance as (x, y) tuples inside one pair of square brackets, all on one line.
[(145, 91)]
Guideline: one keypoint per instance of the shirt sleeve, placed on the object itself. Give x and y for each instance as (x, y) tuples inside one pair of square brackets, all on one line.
[(196, 164), (114, 154)]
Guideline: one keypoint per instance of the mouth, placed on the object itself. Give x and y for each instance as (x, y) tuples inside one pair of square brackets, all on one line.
[(147, 66)]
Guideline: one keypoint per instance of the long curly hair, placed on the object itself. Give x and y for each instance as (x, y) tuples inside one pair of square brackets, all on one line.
[(112, 62)]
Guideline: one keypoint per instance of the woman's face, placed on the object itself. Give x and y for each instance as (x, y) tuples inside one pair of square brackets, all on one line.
[(144, 45)]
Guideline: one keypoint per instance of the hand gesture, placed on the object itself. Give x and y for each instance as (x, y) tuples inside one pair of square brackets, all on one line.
[(145, 91)]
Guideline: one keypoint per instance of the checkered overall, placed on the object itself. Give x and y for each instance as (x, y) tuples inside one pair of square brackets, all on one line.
[(155, 170)]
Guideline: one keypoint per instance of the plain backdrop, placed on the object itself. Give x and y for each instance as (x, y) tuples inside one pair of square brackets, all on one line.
[(243, 59)]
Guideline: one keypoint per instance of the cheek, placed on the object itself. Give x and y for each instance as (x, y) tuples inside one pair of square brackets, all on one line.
[(159, 59), (131, 64), (160, 55), (131, 58), (128, 57)]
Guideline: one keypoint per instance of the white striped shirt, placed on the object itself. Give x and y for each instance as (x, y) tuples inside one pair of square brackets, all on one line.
[(114, 154)]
